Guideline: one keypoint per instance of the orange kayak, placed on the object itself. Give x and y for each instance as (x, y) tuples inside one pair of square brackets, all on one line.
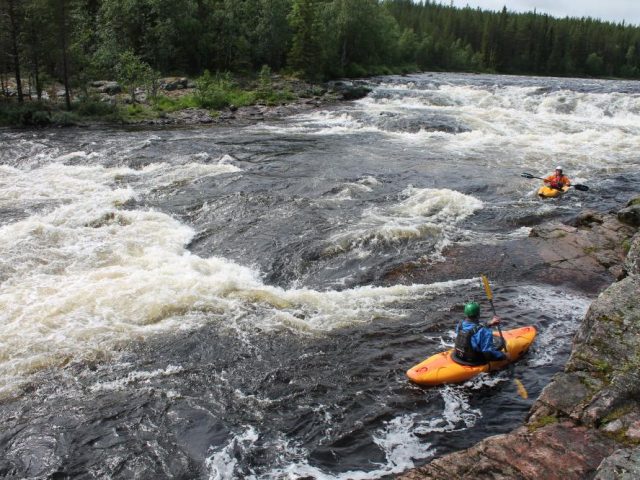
[(548, 192), (440, 368)]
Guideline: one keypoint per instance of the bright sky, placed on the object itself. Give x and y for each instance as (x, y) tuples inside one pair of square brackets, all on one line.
[(609, 10)]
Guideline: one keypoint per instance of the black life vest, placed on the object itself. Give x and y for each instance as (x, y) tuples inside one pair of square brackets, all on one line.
[(463, 352)]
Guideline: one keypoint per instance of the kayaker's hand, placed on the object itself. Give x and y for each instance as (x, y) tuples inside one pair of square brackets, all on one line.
[(494, 321)]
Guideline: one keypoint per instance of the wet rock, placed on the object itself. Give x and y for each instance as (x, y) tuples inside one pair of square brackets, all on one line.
[(595, 238), (552, 231), (108, 219), (587, 217), (352, 92), (393, 122), (630, 215), (559, 451), (561, 397), (633, 201)]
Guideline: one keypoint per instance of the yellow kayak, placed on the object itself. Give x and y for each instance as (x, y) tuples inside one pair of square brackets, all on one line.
[(440, 368), (548, 192)]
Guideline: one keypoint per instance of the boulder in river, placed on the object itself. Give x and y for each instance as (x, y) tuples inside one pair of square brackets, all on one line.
[(350, 91)]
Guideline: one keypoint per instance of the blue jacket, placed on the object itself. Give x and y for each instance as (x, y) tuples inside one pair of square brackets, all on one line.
[(482, 341)]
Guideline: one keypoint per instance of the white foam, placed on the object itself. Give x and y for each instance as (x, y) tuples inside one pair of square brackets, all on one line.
[(222, 462), (349, 189), (401, 439), (423, 212), (83, 274), (137, 378), (601, 130), (565, 310), (457, 414)]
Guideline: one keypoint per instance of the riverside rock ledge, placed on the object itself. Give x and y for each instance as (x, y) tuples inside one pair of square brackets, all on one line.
[(586, 422)]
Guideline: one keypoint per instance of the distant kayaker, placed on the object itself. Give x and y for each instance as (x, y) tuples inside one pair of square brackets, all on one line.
[(557, 179), (474, 341)]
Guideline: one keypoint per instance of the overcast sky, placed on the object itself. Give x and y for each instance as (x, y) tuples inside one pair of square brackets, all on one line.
[(609, 10)]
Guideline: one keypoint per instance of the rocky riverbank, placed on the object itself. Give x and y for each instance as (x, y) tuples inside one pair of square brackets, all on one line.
[(586, 422), (175, 102)]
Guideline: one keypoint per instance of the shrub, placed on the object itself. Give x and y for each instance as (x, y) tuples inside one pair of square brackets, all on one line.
[(64, 119), (25, 115), (355, 70), (94, 108), (219, 91)]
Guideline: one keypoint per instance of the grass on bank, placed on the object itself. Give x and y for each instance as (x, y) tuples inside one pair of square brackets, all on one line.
[(213, 92)]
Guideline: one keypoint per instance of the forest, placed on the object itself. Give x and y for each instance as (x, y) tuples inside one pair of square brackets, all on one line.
[(135, 41)]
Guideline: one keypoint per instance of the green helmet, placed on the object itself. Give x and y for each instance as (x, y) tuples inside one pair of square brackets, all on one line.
[(472, 309)]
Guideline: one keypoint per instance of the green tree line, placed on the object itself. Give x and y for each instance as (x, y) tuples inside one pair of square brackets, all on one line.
[(75, 41)]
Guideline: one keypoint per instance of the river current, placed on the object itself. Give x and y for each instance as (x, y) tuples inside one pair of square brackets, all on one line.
[(213, 302)]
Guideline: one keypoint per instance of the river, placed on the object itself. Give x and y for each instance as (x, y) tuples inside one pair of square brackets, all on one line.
[(214, 302)]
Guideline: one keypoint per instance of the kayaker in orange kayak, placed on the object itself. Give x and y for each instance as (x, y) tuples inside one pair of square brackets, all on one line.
[(557, 179), (474, 341)]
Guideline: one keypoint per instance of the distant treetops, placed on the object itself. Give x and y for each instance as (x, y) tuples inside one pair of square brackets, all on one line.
[(75, 41)]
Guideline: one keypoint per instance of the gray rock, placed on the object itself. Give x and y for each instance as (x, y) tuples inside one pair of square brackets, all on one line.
[(632, 262), (633, 201), (350, 91), (562, 396), (553, 452), (623, 464), (630, 215), (614, 426), (618, 272), (587, 217), (174, 83), (108, 87)]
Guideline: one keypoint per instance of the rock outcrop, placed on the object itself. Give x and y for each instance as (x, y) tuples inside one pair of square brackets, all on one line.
[(560, 450), (586, 422), (631, 214)]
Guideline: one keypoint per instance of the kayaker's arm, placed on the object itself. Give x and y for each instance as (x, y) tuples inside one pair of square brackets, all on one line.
[(484, 343)]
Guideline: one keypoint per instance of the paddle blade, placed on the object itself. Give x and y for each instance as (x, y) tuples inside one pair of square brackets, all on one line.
[(584, 188), (521, 390), (487, 287), (527, 175)]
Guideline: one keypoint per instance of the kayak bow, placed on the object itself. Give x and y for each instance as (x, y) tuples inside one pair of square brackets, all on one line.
[(548, 192)]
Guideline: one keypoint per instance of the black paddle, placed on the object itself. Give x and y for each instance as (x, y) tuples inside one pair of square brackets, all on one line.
[(577, 186)]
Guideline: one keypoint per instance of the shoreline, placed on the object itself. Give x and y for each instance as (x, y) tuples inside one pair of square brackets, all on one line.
[(586, 421), (107, 106)]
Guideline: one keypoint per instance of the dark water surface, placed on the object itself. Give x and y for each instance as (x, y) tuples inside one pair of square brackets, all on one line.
[(210, 303)]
